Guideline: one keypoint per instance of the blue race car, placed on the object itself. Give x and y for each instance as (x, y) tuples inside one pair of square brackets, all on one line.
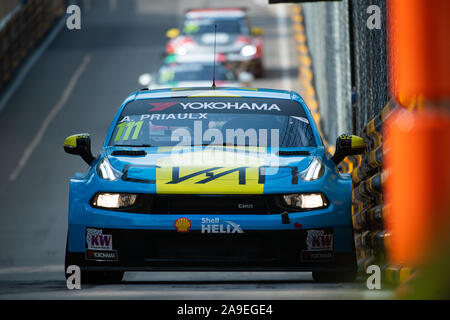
[(211, 179)]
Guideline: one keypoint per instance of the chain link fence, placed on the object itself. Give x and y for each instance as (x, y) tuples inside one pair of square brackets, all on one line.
[(349, 63), (369, 53), (351, 79), (327, 33)]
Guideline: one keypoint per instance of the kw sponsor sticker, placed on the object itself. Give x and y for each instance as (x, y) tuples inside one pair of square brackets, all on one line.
[(318, 240), (96, 240), (215, 226), (182, 224)]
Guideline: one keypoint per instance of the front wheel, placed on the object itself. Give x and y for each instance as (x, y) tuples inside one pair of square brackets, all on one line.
[(97, 277), (101, 277), (344, 276)]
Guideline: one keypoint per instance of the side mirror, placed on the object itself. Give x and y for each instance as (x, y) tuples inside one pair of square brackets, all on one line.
[(257, 31), (172, 33), (79, 144), (347, 145), (145, 79)]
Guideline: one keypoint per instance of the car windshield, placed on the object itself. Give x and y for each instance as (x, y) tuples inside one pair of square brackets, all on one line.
[(205, 25), (193, 72), (213, 121)]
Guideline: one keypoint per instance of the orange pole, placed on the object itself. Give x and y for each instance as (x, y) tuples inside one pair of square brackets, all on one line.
[(418, 185), (417, 144), (419, 39)]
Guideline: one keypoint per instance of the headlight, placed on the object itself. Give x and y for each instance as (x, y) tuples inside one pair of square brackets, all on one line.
[(106, 171), (114, 200), (248, 50), (314, 171), (305, 200), (181, 51)]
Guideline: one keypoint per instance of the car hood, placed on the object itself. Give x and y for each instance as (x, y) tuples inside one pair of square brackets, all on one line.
[(210, 170)]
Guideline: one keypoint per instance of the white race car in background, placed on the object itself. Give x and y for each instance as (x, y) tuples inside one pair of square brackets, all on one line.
[(195, 71)]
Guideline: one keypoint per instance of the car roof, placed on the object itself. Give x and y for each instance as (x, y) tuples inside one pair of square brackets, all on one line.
[(242, 92), (216, 13)]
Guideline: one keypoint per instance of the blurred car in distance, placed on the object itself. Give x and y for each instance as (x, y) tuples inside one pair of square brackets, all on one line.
[(195, 71), (241, 44)]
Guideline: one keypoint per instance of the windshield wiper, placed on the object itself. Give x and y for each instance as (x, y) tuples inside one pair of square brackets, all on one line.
[(225, 144), (132, 145)]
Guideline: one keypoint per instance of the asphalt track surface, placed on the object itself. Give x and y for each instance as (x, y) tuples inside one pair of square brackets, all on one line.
[(76, 85)]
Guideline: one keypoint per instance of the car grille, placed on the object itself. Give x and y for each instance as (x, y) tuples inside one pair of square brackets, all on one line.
[(159, 246), (226, 204), (197, 246)]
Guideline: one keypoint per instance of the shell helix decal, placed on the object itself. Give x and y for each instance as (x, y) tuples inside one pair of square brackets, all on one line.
[(182, 224), (214, 225)]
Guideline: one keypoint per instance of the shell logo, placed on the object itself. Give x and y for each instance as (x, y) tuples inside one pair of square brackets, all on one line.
[(182, 224)]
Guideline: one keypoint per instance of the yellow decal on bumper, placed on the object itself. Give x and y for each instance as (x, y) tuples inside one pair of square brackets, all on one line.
[(211, 180)]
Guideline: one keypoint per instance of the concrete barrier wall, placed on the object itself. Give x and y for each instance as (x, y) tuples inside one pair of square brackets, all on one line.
[(27, 26), (7, 6)]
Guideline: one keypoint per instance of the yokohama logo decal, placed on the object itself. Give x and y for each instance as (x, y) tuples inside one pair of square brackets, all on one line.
[(159, 106), (230, 106)]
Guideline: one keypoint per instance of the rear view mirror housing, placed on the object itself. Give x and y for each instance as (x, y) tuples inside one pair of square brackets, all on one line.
[(79, 144), (348, 145), (257, 31), (172, 33), (145, 79)]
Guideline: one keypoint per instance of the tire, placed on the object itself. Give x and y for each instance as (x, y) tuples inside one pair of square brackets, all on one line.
[(101, 277), (345, 276), (94, 277), (340, 276)]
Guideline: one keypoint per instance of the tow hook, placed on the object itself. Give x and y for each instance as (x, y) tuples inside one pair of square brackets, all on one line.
[(285, 218)]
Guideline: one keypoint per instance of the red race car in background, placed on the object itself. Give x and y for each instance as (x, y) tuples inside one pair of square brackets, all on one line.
[(241, 44)]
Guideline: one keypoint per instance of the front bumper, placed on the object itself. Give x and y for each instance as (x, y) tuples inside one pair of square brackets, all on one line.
[(144, 241), (255, 250)]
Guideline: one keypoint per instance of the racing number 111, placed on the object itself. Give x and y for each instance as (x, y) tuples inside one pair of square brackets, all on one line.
[(129, 125)]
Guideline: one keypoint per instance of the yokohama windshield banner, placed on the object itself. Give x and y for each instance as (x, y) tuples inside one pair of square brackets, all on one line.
[(215, 105)]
